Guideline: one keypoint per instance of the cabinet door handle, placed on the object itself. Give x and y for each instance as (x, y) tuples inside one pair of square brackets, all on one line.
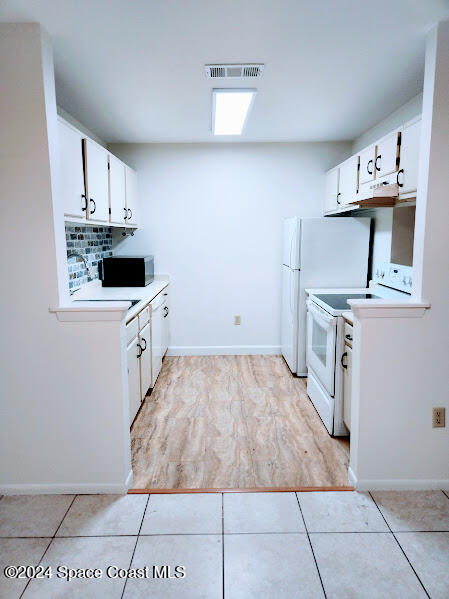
[(378, 158), (338, 195), (144, 348), (84, 208), (140, 348), (348, 337), (344, 365), (95, 206), (367, 167), (126, 214), (130, 215), (397, 177)]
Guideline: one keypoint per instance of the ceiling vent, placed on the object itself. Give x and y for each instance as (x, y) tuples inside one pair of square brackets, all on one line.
[(234, 71)]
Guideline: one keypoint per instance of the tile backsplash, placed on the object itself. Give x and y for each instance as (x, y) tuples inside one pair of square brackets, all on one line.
[(90, 241)]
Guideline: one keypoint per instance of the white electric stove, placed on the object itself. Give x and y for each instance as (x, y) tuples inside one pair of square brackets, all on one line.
[(325, 337)]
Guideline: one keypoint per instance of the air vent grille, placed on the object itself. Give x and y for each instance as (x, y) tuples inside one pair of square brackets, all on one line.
[(234, 71)]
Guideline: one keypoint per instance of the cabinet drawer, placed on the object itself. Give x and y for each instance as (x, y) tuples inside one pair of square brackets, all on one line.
[(144, 317), (349, 333), (132, 328)]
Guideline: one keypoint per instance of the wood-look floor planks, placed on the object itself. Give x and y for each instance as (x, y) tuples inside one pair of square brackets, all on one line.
[(233, 422)]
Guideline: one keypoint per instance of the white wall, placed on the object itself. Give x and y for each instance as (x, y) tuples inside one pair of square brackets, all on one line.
[(212, 216), (404, 113), (71, 119), (64, 424), (400, 363)]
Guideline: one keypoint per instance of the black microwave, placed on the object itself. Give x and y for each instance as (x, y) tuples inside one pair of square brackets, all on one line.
[(126, 271)]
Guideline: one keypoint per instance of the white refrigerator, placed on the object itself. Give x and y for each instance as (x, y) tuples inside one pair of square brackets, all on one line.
[(317, 252)]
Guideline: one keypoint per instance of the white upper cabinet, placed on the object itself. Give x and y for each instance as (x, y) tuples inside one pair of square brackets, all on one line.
[(72, 174), (95, 186), (407, 176), (117, 191), (331, 192), (131, 196), (347, 187), (96, 168), (367, 158), (387, 155), (361, 179)]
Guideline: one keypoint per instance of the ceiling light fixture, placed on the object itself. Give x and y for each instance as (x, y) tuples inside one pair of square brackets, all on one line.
[(230, 109)]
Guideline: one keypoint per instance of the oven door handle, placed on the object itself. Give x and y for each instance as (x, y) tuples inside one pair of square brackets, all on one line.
[(321, 315)]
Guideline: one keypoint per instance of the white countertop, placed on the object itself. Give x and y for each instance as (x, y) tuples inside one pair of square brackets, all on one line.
[(116, 298)]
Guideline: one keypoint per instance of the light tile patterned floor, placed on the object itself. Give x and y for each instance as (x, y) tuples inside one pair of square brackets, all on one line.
[(236, 545)]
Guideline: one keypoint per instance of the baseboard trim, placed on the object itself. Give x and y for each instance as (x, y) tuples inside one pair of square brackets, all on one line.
[(248, 490), (352, 478), (63, 489), (129, 479), (397, 484), (224, 350)]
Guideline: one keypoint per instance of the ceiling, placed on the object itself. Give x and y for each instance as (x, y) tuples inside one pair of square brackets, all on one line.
[(132, 71)]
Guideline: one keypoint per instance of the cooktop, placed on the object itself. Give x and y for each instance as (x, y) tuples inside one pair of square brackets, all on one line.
[(339, 301)]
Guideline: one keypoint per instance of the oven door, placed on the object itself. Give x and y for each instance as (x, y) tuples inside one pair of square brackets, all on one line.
[(321, 336)]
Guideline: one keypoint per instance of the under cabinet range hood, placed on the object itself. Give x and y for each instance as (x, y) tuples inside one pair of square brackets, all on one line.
[(378, 195)]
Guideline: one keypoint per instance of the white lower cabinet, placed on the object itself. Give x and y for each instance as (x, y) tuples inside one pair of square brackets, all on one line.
[(347, 387), (157, 332), (147, 343), (133, 356), (165, 325), (145, 360)]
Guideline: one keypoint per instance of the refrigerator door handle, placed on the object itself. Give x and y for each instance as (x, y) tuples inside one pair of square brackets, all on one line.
[(291, 291), (291, 248)]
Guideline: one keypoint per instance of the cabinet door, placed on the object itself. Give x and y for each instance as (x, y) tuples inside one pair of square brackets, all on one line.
[(367, 165), (386, 155), (347, 388), (133, 353), (96, 165), (131, 196), (72, 174), (117, 193), (331, 190), (409, 158), (347, 186), (156, 343), (165, 327), (145, 360)]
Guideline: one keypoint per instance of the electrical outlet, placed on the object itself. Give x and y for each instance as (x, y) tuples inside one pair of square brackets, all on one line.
[(438, 417), (237, 319)]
